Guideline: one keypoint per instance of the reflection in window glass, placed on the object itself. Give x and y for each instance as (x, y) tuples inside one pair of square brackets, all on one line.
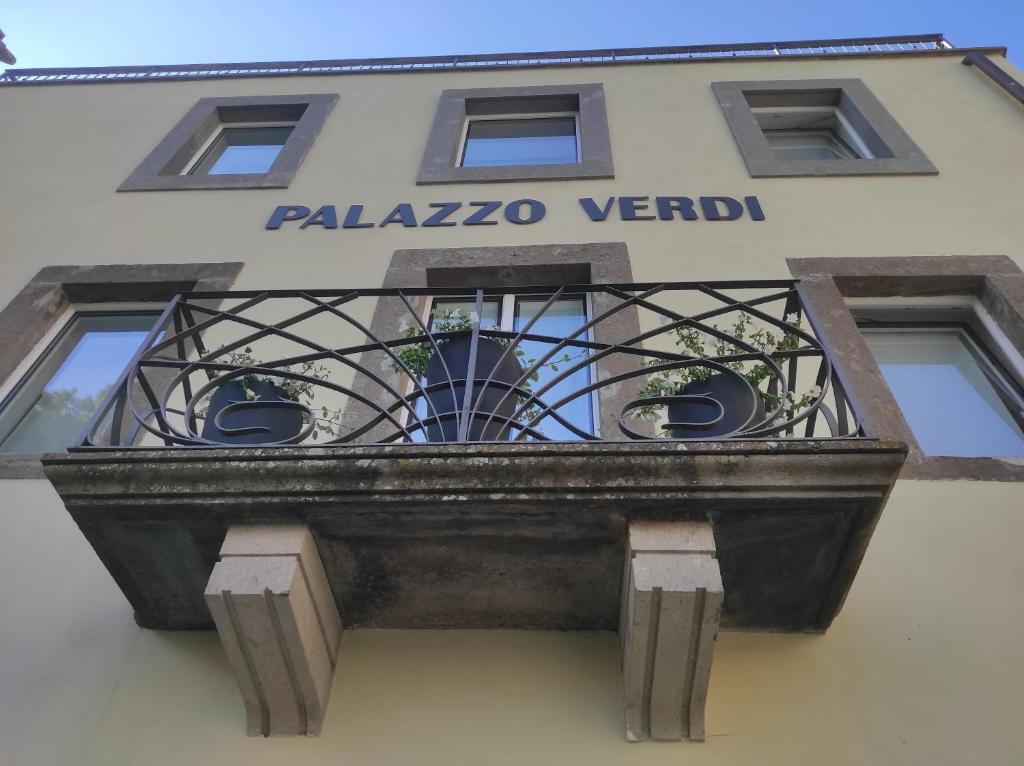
[(448, 309), (489, 319), (810, 133), (947, 397), (243, 150), (51, 408), (535, 141), (562, 319), (808, 145)]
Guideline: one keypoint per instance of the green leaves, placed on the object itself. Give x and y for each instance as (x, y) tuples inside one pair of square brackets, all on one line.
[(696, 343), (302, 391), (417, 357)]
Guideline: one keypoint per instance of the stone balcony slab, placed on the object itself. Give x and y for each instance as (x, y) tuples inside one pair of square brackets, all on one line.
[(527, 536)]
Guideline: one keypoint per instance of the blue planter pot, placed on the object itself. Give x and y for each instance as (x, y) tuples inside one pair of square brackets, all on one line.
[(456, 357), (720, 405), (273, 418)]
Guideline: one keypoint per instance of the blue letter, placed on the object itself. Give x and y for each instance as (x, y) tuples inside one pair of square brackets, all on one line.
[(352, 218), (437, 219), (479, 218), (628, 207), (284, 213), (514, 211), (401, 214), (596, 213), (668, 206), (325, 216), (754, 208), (709, 205)]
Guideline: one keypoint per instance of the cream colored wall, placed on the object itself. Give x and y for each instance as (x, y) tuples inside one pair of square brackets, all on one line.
[(66, 148), (924, 664)]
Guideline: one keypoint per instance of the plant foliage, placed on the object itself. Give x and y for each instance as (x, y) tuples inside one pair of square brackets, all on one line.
[(703, 345)]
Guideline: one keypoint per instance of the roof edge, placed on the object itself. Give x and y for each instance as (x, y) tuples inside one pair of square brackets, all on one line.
[(926, 44)]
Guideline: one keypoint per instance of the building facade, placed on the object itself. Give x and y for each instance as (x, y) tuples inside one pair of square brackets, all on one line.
[(509, 409)]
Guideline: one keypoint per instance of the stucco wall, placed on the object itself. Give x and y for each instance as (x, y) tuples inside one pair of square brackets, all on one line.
[(69, 147), (923, 665)]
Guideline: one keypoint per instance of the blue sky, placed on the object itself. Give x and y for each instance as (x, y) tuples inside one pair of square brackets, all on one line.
[(63, 33)]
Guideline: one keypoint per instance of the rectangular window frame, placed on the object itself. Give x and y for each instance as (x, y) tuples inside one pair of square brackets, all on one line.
[(205, 149), (19, 392), (844, 132), (36, 314), (512, 116), (965, 310), (466, 269), (163, 168), (831, 288), (441, 157), (892, 150), (997, 360)]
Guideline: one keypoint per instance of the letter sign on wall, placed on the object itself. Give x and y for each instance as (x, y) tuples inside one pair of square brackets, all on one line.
[(520, 212)]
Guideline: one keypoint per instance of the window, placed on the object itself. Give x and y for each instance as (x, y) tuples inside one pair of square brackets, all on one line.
[(533, 140), (52, 403), (514, 313), (249, 149), (813, 133), (959, 397), (235, 143), (42, 309), (463, 270), (930, 350), (515, 134), (816, 128)]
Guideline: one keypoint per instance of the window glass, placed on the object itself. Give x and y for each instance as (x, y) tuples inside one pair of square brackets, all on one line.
[(956, 402), (810, 133), (453, 312), (561, 320), (808, 145), (490, 318), (845, 107), (53, 404), (243, 150), (533, 141), (512, 313)]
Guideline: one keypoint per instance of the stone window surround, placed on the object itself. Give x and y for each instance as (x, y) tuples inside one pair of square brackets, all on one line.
[(162, 167), (996, 281), (895, 151), (519, 266), (440, 158), (34, 311)]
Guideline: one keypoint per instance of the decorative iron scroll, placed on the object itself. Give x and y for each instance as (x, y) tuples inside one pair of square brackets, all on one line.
[(687, 361)]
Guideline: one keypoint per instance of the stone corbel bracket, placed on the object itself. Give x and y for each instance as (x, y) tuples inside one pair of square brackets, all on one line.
[(279, 624), (671, 607)]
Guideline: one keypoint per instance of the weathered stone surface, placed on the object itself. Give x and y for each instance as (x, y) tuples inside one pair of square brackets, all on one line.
[(277, 619), (671, 537), (527, 536), (672, 602)]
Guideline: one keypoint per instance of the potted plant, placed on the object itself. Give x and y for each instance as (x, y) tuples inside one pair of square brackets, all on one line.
[(261, 409), (444, 374), (704, 401)]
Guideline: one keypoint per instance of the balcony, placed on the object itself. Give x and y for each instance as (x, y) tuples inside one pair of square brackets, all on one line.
[(580, 457), (473, 458)]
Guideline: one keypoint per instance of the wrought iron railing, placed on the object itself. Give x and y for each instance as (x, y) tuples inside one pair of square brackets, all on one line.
[(688, 361), (850, 46)]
